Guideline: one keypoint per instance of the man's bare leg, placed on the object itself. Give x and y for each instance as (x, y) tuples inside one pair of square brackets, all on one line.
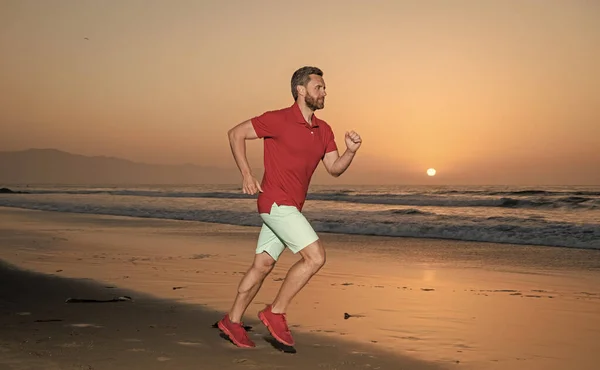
[(313, 258), (250, 285)]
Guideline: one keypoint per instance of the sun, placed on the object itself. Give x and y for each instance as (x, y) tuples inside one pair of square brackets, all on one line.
[(431, 172)]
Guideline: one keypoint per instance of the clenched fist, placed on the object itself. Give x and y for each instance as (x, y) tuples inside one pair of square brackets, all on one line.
[(353, 141)]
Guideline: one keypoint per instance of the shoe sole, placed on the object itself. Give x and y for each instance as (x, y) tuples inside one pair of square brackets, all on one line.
[(264, 320), (231, 337)]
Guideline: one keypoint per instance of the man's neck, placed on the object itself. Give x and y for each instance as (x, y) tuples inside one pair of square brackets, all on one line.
[(307, 113)]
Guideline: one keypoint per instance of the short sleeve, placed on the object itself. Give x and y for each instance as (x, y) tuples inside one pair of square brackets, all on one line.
[(267, 124)]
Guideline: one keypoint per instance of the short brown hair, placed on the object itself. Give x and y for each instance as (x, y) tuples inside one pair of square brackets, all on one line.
[(301, 78)]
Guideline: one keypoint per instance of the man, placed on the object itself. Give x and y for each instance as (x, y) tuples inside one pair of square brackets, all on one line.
[(295, 140)]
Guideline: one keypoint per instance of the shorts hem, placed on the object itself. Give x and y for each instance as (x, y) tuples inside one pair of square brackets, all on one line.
[(257, 251), (306, 244)]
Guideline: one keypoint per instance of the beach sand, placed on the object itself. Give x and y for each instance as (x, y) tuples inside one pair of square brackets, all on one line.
[(413, 303)]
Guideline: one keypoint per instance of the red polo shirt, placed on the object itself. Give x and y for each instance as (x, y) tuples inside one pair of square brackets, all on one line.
[(292, 152)]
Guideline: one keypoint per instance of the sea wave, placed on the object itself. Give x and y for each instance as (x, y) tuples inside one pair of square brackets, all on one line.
[(399, 223), (584, 200), (527, 192)]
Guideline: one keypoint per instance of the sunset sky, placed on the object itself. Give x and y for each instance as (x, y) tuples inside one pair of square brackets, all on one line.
[(483, 91)]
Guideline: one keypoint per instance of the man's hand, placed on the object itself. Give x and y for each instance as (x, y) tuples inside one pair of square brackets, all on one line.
[(353, 141), (336, 164), (251, 185)]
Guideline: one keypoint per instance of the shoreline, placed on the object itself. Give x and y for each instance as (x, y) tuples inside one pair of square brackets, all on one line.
[(321, 233), (431, 300)]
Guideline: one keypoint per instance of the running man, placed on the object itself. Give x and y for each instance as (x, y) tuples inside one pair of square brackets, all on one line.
[(295, 140)]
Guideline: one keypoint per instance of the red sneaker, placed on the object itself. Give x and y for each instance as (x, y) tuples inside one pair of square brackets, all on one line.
[(235, 332), (277, 325)]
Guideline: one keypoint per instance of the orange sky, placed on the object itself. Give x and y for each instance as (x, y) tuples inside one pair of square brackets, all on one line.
[(484, 91)]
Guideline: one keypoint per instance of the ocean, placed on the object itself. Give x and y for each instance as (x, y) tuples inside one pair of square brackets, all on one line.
[(560, 216)]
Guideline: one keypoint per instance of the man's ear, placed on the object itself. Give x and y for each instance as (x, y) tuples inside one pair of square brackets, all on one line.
[(301, 90)]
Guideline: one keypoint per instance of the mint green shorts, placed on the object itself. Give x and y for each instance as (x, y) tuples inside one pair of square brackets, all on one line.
[(284, 227)]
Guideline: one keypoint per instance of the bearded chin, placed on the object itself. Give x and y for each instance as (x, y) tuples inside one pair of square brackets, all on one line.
[(313, 103)]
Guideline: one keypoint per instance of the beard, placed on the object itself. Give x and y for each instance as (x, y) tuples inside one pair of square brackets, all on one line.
[(314, 103)]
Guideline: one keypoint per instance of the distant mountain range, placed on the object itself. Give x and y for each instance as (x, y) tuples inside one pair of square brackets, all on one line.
[(52, 166)]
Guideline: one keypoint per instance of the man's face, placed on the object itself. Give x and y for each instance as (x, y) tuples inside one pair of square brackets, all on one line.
[(315, 93)]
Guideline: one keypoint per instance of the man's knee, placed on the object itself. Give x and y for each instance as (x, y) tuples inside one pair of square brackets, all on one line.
[(263, 263), (261, 267), (314, 255)]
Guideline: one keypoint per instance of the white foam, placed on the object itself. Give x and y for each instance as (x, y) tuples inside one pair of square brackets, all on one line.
[(512, 199), (517, 228)]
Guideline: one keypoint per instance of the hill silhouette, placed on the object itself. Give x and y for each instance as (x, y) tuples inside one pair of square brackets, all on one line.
[(52, 166)]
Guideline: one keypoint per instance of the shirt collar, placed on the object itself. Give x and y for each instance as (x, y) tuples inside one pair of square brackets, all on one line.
[(298, 117)]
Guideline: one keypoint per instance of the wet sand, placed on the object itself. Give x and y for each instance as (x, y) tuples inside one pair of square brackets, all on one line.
[(387, 303)]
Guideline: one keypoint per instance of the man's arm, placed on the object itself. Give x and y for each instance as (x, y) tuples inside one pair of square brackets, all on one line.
[(237, 141), (337, 165)]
